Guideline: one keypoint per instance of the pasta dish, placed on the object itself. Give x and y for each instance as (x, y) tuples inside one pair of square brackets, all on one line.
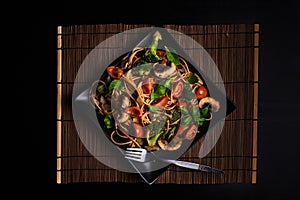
[(152, 98)]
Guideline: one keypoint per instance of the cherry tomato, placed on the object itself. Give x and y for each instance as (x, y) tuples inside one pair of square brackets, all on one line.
[(160, 53), (147, 85), (201, 92), (177, 89), (181, 103), (139, 131), (134, 111), (191, 132), (114, 71), (160, 101)]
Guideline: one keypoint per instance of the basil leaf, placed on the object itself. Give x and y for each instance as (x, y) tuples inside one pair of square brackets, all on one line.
[(188, 93), (172, 56), (115, 84), (153, 109), (201, 121), (152, 140), (175, 116), (171, 132), (184, 110), (108, 80), (195, 113), (101, 89), (192, 79), (166, 82), (150, 58), (186, 119), (153, 47), (143, 69), (160, 89), (108, 121), (150, 54), (204, 111)]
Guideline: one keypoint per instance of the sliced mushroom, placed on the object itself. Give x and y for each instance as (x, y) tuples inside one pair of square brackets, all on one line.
[(102, 105), (106, 108), (102, 100), (175, 144), (158, 117), (162, 71), (152, 148), (125, 102), (125, 127), (215, 105), (122, 117)]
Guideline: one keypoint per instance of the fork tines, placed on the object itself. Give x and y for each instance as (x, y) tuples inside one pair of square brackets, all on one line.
[(137, 154)]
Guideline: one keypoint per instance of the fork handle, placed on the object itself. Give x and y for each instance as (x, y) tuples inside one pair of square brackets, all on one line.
[(196, 166), (210, 169)]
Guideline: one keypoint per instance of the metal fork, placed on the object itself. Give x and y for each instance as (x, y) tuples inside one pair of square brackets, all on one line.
[(139, 155)]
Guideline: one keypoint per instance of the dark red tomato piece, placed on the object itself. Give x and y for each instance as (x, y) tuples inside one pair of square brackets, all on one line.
[(177, 89), (139, 131), (160, 53), (181, 103), (191, 132), (201, 92), (161, 101), (134, 111), (114, 71), (147, 85)]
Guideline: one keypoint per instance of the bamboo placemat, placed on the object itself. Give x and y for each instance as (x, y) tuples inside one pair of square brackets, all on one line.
[(233, 47)]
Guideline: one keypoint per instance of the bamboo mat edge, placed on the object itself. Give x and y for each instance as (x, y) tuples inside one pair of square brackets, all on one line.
[(255, 104), (59, 107)]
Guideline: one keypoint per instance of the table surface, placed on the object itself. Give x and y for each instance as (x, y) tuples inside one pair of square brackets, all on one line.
[(234, 49)]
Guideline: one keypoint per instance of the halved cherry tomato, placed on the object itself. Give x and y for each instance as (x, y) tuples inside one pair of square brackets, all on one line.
[(191, 132), (139, 131), (161, 101), (114, 71), (147, 85), (134, 111), (181, 103), (201, 92), (160, 53), (177, 89)]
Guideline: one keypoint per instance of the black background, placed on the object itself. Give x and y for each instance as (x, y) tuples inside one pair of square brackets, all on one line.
[(279, 102)]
